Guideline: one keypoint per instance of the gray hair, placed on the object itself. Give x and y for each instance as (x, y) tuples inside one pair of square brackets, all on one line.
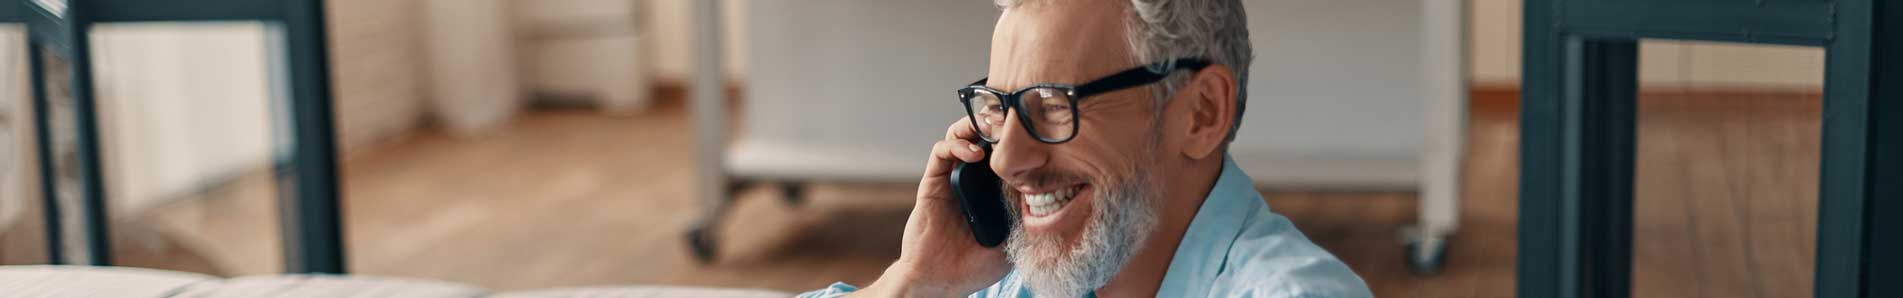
[(1162, 30)]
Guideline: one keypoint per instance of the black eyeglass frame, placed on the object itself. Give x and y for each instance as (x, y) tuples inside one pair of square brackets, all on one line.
[(1139, 76)]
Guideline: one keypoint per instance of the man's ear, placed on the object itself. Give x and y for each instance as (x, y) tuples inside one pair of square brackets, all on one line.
[(1212, 95)]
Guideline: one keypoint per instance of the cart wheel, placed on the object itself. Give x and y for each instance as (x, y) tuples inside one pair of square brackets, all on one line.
[(793, 192), (701, 242), (734, 187), (1424, 254)]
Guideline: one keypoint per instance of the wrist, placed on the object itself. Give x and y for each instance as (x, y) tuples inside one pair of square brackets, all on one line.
[(901, 280)]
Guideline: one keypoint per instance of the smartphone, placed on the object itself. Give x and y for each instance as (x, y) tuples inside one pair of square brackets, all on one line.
[(980, 194)]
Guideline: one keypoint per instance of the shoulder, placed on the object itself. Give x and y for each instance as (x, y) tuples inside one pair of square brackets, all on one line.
[(1272, 250)]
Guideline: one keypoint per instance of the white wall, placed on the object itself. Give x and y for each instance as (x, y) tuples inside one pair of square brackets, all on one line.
[(1335, 95), (851, 84)]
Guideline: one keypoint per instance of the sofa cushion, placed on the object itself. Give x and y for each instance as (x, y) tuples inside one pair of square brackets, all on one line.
[(309, 285), (89, 281)]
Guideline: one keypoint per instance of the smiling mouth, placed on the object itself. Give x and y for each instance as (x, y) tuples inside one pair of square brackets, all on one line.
[(1046, 203)]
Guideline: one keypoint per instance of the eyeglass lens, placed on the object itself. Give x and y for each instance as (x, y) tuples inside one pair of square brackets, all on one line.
[(1048, 109)]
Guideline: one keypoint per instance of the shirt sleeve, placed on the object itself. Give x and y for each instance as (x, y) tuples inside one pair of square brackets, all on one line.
[(837, 289)]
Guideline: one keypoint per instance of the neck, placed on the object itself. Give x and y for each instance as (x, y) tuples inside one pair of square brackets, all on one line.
[(1184, 191)]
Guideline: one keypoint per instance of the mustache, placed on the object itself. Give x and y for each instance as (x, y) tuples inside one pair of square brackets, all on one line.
[(1041, 178)]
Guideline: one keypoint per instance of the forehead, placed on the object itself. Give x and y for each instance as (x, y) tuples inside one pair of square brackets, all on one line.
[(1065, 41)]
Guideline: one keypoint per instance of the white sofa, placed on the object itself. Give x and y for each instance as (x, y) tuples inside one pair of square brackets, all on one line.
[(87, 281)]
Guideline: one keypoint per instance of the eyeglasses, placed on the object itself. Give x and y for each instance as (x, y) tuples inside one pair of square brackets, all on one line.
[(1049, 111)]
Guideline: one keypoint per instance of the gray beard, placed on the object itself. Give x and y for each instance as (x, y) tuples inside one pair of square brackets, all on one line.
[(1124, 216)]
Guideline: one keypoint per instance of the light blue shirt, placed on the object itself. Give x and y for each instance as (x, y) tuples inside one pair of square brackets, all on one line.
[(1234, 247)]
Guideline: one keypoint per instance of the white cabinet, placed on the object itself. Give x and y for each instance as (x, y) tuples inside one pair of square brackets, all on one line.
[(583, 51)]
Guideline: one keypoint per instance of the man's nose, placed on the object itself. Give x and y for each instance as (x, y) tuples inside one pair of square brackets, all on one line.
[(1017, 151)]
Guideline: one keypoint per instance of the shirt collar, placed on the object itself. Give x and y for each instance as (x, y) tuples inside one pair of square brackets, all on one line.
[(1205, 246)]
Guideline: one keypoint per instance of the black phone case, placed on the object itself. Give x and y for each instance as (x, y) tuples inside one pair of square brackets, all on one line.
[(980, 195)]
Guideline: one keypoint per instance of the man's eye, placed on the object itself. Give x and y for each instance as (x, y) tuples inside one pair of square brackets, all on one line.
[(1057, 116)]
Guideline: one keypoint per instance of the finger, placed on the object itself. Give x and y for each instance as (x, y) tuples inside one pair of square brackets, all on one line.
[(961, 130), (966, 151), (940, 162), (946, 151), (964, 138), (937, 174)]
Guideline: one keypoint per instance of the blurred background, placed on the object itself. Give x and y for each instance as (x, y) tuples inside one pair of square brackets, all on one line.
[(520, 144)]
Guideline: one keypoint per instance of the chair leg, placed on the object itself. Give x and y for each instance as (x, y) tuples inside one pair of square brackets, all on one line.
[(1861, 184), (793, 192), (700, 237), (1424, 251), (709, 109), (1446, 127), (700, 241), (1577, 137)]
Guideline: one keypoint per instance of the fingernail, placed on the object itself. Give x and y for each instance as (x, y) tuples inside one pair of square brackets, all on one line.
[(974, 148)]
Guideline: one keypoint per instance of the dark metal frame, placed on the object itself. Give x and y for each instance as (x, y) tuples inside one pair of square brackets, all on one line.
[(1577, 134), (310, 210)]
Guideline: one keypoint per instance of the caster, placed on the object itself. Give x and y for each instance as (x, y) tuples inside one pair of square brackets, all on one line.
[(734, 187), (701, 242), (1424, 254), (793, 193)]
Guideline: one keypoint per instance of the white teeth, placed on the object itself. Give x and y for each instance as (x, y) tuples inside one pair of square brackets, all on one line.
[(1041, 204)]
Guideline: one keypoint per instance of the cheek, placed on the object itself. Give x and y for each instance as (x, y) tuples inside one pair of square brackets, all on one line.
[(1173, 124), (1106, 156), (1171, 135), (1112, 137)]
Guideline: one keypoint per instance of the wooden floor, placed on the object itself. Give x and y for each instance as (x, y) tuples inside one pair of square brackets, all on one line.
[(1726, 207)]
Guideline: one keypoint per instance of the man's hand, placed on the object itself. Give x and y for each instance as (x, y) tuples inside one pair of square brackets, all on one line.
[(938, 257)]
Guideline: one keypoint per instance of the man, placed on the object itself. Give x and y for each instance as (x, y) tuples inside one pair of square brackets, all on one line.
[(1111, 120)]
